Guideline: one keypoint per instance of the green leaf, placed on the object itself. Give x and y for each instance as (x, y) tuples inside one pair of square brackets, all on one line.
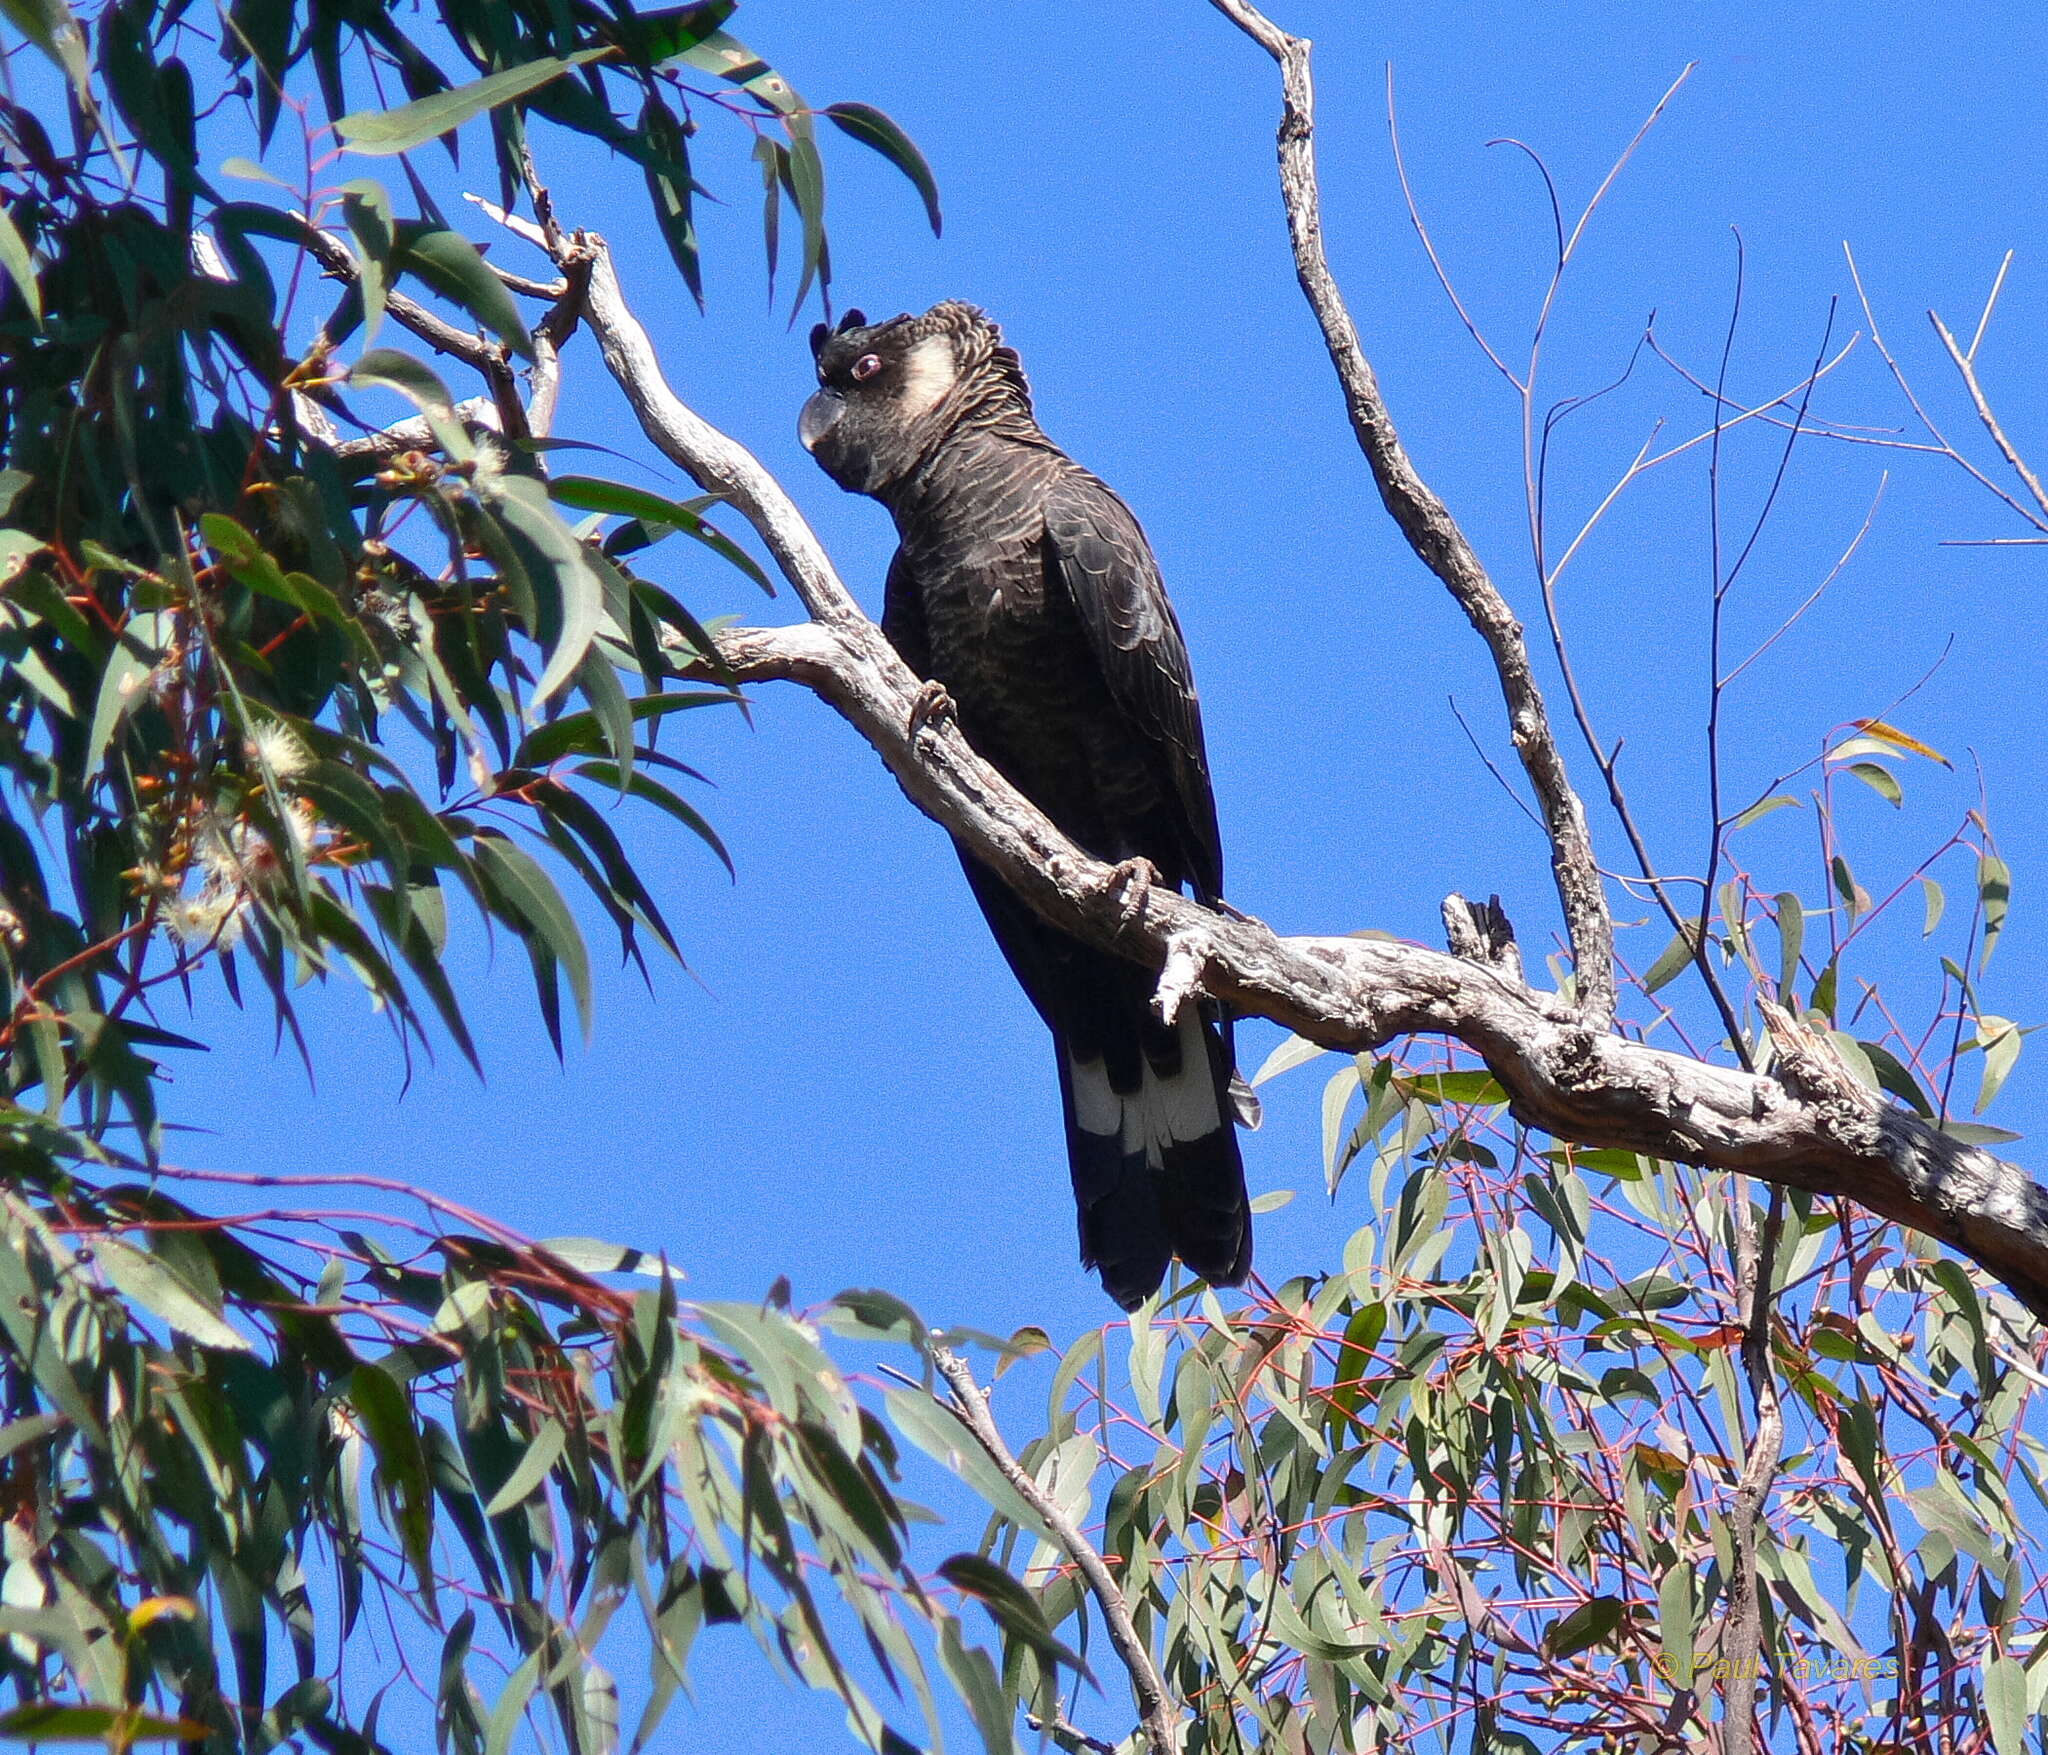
[(540, 908), (1893, 1076), (511, 1705), (30, 1429), (1676, 956), (249, 563), (2001, 1040), (672, 192), (663, 36), (541, 1455), (1936, 901), (2005, 1704), (1791, 913), (592, 1255), (1474, 1085), (1763, 808), (1677, 1624), (807, 189), (871, 127), (1880, 780), (662, 798), (450, 264), (1824, 988), (523, 505), (580, 734), (1293, 1052), (1974, 1133), (383, 132), (590, 494), (1337, 1094), (769, 155), (1015, 1610), (1854, 897), (366, 205), (942, 1438), (247, 170), (49, 24), (20, 266), (1591, 1623), (153, 1285), (386, 368), (730, 59), (1994, 891), (114, 1726), (975, 1678), (134, 656), (386, 1420), (1272, 1200)]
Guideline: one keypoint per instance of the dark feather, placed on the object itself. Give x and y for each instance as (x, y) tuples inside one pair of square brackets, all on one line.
[(1100, 554)]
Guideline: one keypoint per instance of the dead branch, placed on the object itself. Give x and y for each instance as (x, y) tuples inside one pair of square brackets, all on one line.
[(1810, 1126), (1431, 530), (1966, 365), (1155, 1706)]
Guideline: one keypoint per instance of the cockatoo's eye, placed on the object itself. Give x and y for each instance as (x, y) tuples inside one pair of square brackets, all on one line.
[(867, 365)]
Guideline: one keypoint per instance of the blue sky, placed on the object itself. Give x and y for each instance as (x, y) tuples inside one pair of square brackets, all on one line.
[(847, 1088)]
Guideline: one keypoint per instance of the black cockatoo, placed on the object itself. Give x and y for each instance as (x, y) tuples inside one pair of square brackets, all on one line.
[(1025, 589)]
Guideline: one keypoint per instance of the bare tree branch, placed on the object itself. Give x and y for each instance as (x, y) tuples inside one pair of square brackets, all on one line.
[(1432, 532), (1742, 1635), (717, 463), (1941, 443), (1155, 1707), (1966, 364), (476, 413)]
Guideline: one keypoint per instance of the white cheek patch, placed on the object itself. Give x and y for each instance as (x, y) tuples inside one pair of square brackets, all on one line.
[(929, 371)]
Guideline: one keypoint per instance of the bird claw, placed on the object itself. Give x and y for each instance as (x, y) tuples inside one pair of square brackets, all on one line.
[(1133, 880), (932, 705)]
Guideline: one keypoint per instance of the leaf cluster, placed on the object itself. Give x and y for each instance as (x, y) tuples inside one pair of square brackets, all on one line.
[(227, 1442)]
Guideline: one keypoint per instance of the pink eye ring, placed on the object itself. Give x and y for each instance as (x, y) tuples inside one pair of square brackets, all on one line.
[(867, 365)]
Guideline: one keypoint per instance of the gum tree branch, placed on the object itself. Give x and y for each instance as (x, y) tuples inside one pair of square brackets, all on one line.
[(1432, 532), (442, 336), (1155, 1706), (1807, 1124)]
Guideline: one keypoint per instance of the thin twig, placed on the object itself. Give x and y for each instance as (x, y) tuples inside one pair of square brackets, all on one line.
[(1906, 390), (1067, 1736), (716, 462), (1965, 364), (1815, 595), (1155, 1708), (1990, 305), (1429, 245)]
